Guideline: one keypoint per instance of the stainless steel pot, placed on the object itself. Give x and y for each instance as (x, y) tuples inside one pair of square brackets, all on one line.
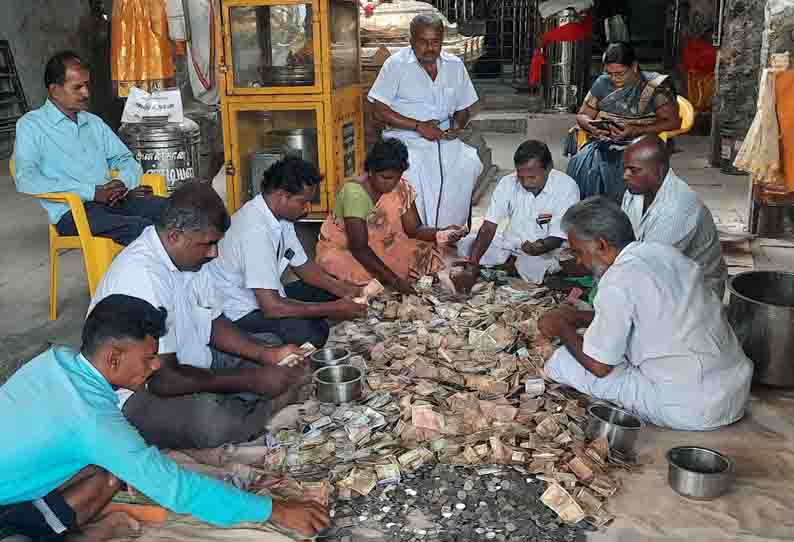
[(619, 427), (338, 383), (699, 473), (761, 311), (287, 76), (326, 357)]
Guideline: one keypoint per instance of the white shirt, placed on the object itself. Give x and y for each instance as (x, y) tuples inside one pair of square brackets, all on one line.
[(144, 270), (254, 254), (677, 217), (512, 201), (405, 86), (655, 316)]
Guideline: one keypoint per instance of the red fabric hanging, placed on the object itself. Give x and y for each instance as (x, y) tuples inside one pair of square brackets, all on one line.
[(536, 67), (699, 56), (576, 31)]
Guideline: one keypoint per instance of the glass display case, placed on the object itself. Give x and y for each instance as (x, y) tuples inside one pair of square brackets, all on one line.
[(345, 49), (264, 136), (272, 46), (290, 86)]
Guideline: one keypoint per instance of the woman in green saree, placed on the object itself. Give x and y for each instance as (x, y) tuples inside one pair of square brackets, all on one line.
[(623, 104)]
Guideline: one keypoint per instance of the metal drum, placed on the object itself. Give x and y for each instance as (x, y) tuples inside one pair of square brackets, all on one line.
[(560, 78), (168, 148), (761, 311)]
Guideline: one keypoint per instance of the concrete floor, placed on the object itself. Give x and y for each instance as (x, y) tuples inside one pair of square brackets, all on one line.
[(24, 294)]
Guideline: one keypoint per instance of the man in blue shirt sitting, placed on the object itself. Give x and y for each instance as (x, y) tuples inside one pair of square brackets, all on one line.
[(67, 447), (60, 147)]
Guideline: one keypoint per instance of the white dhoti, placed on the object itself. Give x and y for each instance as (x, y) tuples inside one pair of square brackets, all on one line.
[(681, 403), (530, 268), (460, 166), (621, 386)]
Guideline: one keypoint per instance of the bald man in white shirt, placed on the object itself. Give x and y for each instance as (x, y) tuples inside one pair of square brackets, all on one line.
[(664, 209)]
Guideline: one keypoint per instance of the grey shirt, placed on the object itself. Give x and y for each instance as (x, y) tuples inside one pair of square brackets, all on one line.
[(679, 218)]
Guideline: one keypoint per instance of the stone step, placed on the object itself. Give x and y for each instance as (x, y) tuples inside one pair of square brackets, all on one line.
[(498, 98), (501, 122), (484, 182)]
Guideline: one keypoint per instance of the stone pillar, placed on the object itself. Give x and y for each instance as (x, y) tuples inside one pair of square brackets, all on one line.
[(738, 70), (778, 34)]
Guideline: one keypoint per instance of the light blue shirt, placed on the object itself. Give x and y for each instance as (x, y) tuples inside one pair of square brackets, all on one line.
[(52, 153), (59, 414)]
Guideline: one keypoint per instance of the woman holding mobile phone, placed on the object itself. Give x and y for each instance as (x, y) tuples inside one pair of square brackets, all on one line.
[(623, 104)]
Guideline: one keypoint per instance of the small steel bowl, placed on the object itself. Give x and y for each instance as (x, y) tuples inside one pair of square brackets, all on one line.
[(326, 357), (338, 383), (620, 427), (699, 473)]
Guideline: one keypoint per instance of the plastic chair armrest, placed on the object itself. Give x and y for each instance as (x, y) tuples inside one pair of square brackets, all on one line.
[(156, 182), (77, 208)]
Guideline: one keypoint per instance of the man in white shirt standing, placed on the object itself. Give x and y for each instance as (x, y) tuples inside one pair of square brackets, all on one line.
[(664, 209), (425, 97), (260, 245), (533, 198), (658, 343), (216, 384)]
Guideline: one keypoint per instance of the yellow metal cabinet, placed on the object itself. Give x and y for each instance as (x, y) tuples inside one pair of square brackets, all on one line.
[(290, 84)]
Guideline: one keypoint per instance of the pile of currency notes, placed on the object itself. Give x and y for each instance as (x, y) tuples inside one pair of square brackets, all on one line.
[(452, 380)]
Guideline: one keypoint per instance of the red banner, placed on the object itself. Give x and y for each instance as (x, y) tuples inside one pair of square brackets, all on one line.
[(577, 31)]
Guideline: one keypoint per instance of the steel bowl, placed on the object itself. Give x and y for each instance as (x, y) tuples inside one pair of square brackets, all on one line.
[(326, 357), (699, 473), (338, 383), (620, 427)]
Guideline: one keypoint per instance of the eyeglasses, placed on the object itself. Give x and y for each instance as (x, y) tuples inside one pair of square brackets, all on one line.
[(617, 75)]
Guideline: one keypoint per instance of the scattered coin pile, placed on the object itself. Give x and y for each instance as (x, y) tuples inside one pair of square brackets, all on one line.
[(457, 425)]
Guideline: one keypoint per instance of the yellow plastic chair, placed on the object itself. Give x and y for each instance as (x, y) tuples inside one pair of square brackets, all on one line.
[(98, 252), (685, 110)]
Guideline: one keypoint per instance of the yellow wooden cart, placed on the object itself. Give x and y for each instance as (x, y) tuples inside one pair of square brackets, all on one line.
[(290, 84)]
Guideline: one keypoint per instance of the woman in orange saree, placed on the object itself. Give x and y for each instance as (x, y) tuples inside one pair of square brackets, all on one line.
[(375, 230)]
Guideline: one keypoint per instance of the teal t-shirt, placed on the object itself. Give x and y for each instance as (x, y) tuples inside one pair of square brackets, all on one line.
[(59, 415)]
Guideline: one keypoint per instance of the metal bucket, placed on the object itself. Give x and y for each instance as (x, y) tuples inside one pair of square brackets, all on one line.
[(167, 148), (620, 427), (761, 311)]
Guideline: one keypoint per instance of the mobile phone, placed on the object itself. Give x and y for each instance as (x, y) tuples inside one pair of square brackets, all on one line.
[(605, 124)]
